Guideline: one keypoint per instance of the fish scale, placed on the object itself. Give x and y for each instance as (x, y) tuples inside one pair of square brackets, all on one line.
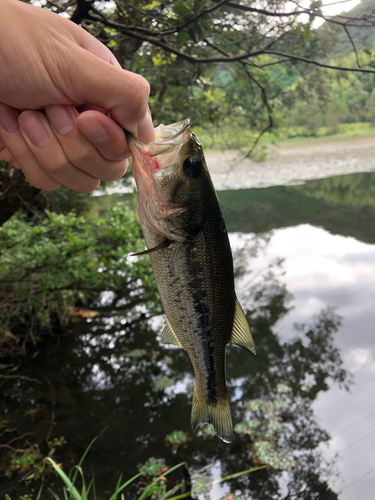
[(192, 262)]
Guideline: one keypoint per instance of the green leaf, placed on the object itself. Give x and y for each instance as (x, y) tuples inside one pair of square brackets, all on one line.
[(181, 38), (307, 34), (72, 489), (192, 35), (120, 488), (181, 9)]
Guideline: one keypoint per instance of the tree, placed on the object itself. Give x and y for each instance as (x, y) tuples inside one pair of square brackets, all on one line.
[(218, 54), (226, 64)]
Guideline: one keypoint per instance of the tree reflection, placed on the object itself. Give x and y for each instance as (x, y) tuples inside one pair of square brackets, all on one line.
[(342, 205), (112, 371)]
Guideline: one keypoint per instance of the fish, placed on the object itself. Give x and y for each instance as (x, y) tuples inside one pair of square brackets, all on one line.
[(187, 241)]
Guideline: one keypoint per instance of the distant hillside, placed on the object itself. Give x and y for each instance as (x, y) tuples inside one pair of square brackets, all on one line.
[(362, 37)]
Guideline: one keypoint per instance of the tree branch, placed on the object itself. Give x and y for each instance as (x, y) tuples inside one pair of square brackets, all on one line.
[(151, 36), (316, 63), (353, 45)]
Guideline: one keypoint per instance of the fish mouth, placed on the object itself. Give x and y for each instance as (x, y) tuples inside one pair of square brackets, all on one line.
[(167, 139), (160, 156)]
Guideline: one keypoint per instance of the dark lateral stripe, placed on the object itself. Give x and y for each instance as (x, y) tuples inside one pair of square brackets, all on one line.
[(200, 306)]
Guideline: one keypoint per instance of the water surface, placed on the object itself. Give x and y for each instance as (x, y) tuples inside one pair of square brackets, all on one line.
[(305, 262)]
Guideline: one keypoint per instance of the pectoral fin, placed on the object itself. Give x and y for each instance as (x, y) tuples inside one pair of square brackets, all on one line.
[(163, 244), (241, 334), (168, 336)]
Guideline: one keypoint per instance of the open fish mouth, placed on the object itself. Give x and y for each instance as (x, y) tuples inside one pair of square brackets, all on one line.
[(167, 139), (160, 157)]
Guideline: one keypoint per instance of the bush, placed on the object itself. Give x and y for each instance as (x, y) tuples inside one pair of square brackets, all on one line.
[(48, 267)]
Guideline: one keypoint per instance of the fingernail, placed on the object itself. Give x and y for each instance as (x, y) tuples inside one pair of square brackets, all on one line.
[(91, 128), (145, 129), (61, 117), (8, 119), (34, 129)]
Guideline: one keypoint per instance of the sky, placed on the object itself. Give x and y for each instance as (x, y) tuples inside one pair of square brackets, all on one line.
[(332, 8)]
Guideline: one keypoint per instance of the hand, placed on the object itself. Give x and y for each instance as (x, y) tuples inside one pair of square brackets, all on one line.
[(64, 101)]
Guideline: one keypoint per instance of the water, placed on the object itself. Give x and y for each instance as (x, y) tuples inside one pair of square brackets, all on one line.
[(305, 261)]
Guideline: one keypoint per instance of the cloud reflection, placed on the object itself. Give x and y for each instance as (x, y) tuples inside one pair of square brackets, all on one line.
[(324, 269)]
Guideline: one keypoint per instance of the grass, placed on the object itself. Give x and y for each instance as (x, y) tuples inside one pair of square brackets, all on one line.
[(155, 489), (71, 492), (361, 129), (227, 137)]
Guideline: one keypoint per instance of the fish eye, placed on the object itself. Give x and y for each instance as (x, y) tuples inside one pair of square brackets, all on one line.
[(192, 167)]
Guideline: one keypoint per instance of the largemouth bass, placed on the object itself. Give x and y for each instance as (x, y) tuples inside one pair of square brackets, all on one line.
[(192, 261)]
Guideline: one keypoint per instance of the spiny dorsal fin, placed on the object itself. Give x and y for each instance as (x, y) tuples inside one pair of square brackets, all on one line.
[(168, 336), (241, 334), (164, 244)]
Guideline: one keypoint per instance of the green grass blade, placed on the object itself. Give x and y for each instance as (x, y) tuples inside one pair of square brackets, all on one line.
[(171, 492), (7, 497), (118, 490), (183, 495), (90, 445), (94, 484), (150, 491), (56, 497), (146, 493), (150, 487), (91, 484), (39, 493), (237, 474), (118, 485), (86, 452), (83, 489), (72, 489)]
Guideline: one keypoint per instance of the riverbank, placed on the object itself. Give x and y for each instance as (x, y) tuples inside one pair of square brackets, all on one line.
[(223, 138), (292, 162), (288, 162)]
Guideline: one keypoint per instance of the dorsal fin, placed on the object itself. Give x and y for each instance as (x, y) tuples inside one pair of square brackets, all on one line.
[(168, 336), (241, 334)]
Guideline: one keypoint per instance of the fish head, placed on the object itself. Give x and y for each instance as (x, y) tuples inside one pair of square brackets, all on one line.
[(172, 179)]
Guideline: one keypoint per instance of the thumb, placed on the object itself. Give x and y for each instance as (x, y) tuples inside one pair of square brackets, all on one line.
[(98, 79)]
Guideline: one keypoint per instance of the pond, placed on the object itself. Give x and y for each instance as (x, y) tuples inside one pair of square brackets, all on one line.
[(305, 265)]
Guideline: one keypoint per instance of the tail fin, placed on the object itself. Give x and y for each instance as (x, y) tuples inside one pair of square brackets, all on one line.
[(219, 415)]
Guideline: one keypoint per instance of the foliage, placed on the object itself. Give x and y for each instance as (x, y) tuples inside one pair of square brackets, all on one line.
[(225, 63), (155, 489), (76, 487), (362, 38), (264, 424), (29, 461), (152, 467), (177, 439), (48, 265)]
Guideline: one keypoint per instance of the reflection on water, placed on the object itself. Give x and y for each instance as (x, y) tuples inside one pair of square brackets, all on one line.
[(112, 370), (342, 205)]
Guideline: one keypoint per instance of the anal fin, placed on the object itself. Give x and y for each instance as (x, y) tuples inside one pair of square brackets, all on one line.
[(168, 336), (241, 334)]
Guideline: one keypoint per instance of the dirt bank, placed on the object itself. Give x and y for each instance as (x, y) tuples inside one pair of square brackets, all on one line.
[(292, 162)]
